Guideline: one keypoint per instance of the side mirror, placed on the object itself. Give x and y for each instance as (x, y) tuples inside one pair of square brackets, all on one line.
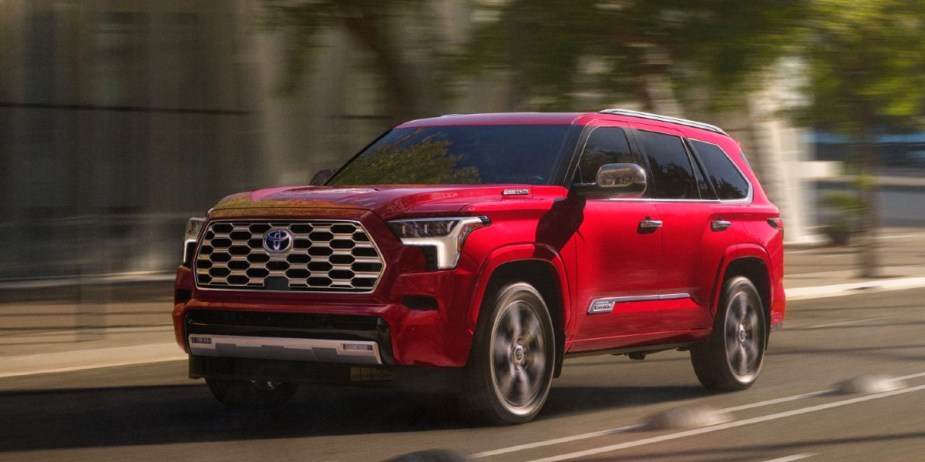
[(322, 177), (621, 180)]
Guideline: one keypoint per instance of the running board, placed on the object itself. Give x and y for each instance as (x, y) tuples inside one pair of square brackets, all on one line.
[(290, 349), (630, 350)]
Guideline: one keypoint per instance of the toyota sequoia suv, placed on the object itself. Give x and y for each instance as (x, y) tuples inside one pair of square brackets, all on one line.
[(481, 251)]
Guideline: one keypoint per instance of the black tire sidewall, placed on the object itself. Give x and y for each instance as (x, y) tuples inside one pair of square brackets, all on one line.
[(481, 398), (710, 358)]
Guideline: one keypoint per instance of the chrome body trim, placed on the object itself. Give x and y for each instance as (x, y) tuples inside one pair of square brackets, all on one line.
[(720, 225), (663, 118), (606, 305), (288, 349)]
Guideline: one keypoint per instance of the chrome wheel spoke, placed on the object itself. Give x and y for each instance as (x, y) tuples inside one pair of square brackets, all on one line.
[(502, 350), (506, 382), (525, 388), (742, 349)]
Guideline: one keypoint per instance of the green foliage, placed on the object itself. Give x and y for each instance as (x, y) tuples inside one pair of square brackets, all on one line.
[(866, 66), (554, 46), (427, 161)]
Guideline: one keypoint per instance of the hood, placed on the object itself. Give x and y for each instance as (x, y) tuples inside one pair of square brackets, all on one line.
[(386, 201)]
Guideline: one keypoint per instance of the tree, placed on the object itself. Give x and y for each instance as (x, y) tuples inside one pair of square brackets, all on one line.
[(375, 26), (866, 74), (554, 47)]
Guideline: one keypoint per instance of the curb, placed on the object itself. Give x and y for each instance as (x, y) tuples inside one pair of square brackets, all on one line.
[(68, 361), (854, 288)]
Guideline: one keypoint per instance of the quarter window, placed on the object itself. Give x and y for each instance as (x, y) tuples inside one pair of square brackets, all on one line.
[(672, 173), (726, 178), (605, 145)]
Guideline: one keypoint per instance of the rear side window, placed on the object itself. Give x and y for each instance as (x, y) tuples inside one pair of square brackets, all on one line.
[(672, 173), (605, 145), (726, 178)]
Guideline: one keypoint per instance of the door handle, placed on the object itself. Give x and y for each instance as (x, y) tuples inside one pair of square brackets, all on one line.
[(720, 225), (648, 225)]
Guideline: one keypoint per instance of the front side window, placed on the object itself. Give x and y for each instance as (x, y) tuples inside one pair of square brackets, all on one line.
[(605, 145), (726, 178), (478, 154), (672, 173)]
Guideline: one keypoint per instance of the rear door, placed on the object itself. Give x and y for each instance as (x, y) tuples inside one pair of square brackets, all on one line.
[(697, 229)]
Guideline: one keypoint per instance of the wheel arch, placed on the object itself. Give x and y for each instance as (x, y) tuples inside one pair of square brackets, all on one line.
[(756, 270), (544, 271)]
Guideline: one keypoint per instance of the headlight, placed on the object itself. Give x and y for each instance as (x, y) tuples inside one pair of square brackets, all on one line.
[(446, 235), (193, 227)]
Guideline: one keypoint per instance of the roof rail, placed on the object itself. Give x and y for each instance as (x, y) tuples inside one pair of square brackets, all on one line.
[(662, 118)]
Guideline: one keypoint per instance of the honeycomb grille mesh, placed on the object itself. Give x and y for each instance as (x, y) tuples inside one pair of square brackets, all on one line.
[(319, 256)]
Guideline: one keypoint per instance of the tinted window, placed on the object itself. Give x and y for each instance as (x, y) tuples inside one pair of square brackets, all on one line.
[(605, 145), (458, 155), (726, 178), (672, 174)]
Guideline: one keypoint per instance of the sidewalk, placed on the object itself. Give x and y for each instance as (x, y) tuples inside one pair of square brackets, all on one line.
[(112, 330)]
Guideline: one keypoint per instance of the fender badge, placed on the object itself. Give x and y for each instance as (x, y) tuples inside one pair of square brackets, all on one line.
[(515, 192)]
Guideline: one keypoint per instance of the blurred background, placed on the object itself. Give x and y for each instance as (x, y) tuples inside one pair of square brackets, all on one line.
[(121, 118)]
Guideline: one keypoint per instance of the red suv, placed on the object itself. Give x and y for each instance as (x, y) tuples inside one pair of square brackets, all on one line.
[(483, 250)]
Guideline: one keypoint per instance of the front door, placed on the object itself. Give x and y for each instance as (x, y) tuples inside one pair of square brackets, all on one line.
[(619, 248)]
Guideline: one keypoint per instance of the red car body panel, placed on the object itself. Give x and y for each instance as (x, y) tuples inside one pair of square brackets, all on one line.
[(670, 279)]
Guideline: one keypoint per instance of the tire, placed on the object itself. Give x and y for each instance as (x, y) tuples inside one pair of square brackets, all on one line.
[(251, 394), (513, 355), (730, 358)]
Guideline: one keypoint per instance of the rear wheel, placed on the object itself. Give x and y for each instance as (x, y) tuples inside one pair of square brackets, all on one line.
[(513, 353), (251, 394), (731, 357)]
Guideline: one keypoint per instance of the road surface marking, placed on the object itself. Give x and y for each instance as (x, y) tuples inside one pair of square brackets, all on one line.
[(792, 458), (910, 376), (771, 402), (727, 426), (844, 323), (566, 439), (614, 431)]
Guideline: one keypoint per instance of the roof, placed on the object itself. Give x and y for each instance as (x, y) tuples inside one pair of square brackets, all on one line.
[(499, 118), (548, 118)]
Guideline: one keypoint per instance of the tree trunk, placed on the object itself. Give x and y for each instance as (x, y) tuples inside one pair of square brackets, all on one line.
[(868, 252)]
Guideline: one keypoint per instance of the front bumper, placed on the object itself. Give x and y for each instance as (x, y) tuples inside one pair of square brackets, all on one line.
[(329, 328), (289, 336), (302, 372)]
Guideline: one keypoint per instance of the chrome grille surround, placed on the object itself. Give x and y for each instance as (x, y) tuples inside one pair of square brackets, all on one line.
[(324, 256)]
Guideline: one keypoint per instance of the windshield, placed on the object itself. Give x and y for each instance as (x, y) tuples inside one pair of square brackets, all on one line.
[(482, 154)]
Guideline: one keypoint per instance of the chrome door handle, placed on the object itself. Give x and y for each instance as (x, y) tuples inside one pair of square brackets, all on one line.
[(720, 225), (648, 225)]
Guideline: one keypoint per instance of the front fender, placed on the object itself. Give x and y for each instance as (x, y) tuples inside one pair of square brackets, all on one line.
[(518, 253)]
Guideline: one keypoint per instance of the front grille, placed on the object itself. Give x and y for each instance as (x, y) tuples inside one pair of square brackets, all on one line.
[(323, 256)]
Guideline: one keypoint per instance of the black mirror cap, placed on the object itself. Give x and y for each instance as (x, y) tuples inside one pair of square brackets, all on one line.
[(322, 176)]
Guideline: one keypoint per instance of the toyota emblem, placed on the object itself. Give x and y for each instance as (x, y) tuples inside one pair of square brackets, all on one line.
[(277, 240)]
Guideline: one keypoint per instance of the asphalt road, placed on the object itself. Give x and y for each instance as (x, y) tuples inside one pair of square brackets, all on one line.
[(152, 412)]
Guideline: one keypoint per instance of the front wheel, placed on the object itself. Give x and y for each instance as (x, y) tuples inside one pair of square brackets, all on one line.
[(513, 353), (731, 357), (251, 394)]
